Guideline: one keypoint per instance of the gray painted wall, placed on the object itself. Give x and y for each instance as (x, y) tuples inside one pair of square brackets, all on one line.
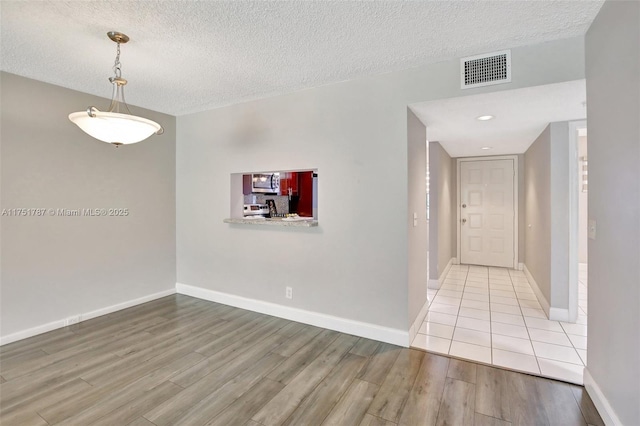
[(546, 199), (613, 112), (355, 264), (537, 176), (583, 205), (417, 194), (522, 227), (560, 232), (442, 183), (56, 267), (453, 207)]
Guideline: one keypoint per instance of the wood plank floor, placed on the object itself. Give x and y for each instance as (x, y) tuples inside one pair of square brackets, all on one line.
[(185, 361)]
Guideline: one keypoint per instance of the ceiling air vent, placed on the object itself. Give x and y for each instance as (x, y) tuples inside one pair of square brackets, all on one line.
[(485, 70)]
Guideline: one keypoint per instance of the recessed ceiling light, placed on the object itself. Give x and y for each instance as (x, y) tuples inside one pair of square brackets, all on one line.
[(485, 117), (486, 147)]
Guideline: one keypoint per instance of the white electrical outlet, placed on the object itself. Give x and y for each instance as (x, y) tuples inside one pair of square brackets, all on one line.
[(73, 320), (591, 230), (288, 293)]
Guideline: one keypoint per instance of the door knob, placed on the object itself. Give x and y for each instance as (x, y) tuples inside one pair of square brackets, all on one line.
[(464, 220), (464, 206)]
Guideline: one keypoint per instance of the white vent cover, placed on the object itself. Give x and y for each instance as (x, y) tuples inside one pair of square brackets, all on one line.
[(486, 69)]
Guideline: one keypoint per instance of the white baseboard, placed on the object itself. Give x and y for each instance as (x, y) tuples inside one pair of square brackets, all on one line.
[(534, 286), (454, 260), (344, 325), (559, 314), (30, 332), (435, 284), (520, 266), (44, 328), (445, 271), (418, 321), (127, 304), (600, 401), (554, 314)]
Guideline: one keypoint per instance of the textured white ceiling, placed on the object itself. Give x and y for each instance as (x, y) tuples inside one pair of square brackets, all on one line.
[(520, 116), (188, 56)]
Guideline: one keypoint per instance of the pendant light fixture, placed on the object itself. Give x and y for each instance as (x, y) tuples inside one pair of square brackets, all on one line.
[(116, 126)]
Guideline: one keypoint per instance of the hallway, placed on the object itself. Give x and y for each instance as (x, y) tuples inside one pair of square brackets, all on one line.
[(491, 315)]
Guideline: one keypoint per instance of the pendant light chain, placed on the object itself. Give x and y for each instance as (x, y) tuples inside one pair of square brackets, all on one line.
[(118, 103), (116, 65)]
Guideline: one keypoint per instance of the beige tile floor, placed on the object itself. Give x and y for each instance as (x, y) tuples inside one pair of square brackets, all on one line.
[(491, 315)]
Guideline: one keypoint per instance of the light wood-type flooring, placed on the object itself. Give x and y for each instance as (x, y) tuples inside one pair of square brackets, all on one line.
[(185, 361)]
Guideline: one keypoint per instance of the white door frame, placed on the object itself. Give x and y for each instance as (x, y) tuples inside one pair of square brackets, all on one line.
[(574, 216), (515, 201)]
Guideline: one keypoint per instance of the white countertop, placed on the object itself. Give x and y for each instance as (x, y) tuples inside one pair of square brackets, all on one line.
[(277, 221)]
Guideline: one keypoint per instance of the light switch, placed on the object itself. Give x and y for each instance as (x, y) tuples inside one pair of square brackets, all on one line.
[(592, 229)]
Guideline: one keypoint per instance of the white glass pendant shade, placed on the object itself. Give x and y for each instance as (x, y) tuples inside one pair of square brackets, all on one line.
[(115, 128)]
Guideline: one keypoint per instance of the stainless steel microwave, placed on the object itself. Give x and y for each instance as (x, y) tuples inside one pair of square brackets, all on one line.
[(267, 183)]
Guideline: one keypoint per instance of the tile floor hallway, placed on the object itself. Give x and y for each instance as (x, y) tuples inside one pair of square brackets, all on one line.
[(492, 315)]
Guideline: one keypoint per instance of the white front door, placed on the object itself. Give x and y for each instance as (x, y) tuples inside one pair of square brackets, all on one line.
[(487, 212)]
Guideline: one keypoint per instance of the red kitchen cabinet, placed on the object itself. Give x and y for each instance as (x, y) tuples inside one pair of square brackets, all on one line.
[(305, 191), (289, 180), (247, 186)]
